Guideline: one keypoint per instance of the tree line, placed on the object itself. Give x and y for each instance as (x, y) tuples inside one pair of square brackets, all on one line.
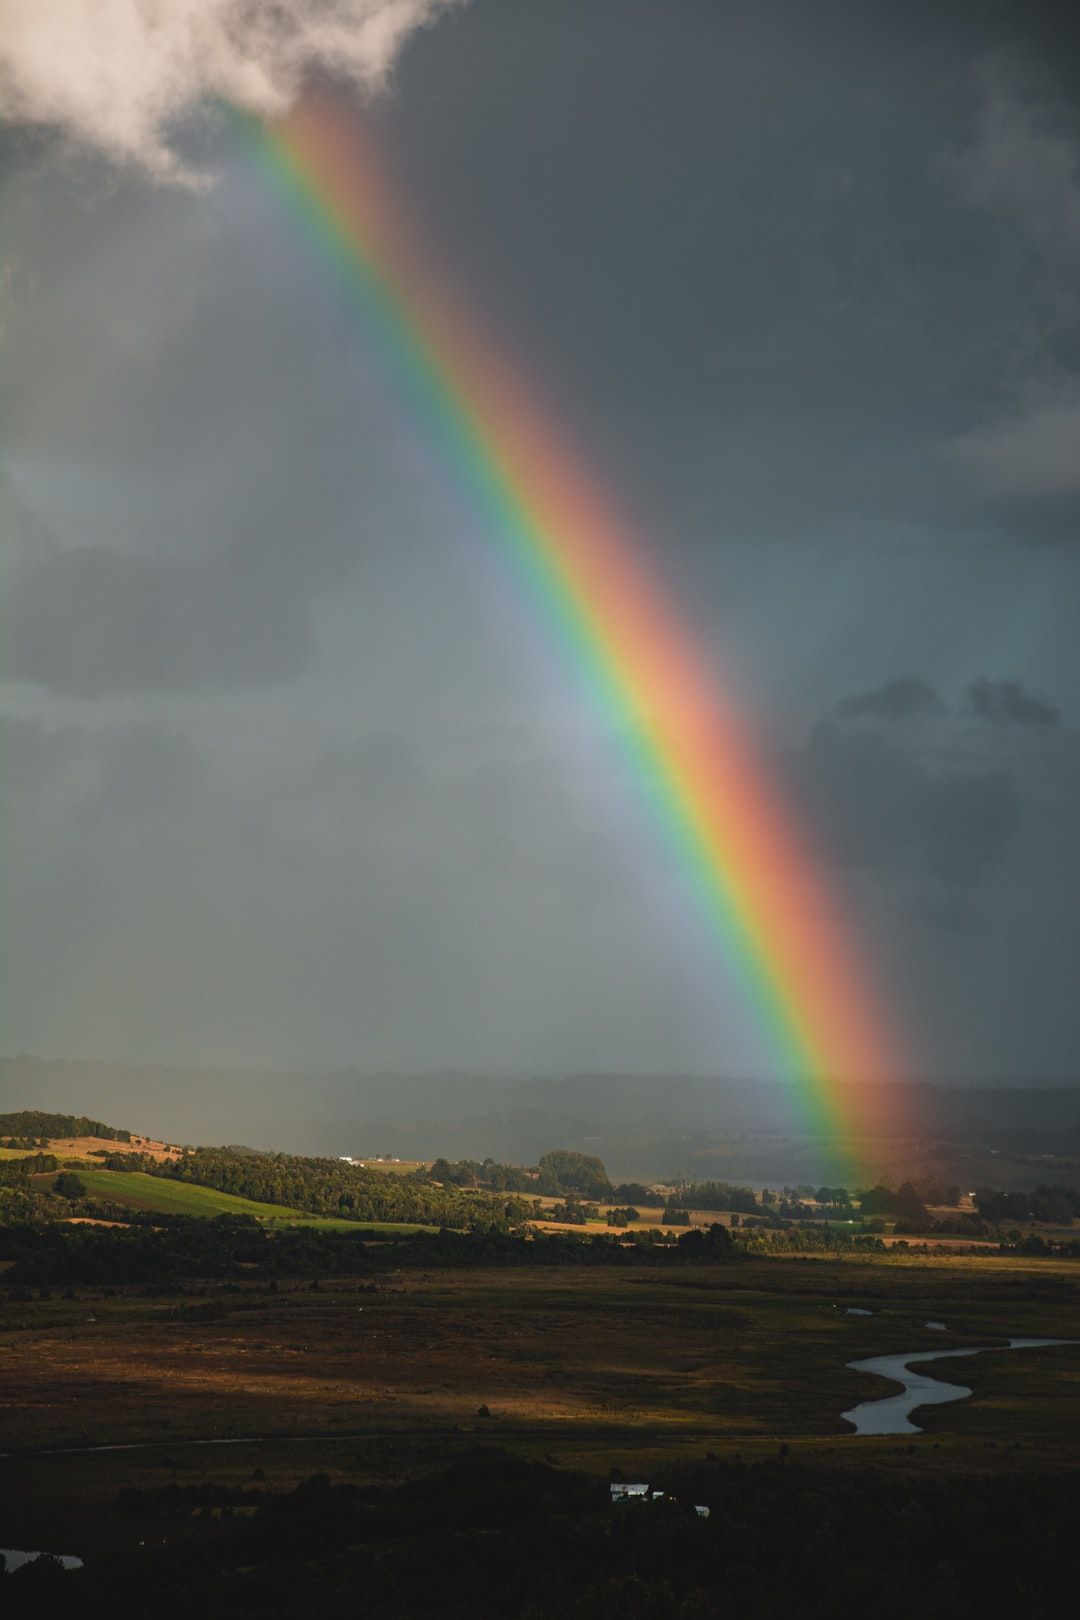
[(189, 1248), (715, 1195), (329, 1187), (559, 1173), (454, 1194), (31, 1122)]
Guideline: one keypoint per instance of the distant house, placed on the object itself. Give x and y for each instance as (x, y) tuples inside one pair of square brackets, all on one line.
[(622, 1491), (701, 1511), (344, 1158)]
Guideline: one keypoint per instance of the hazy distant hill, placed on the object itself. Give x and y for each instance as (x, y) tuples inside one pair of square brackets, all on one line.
[(653, 1126)]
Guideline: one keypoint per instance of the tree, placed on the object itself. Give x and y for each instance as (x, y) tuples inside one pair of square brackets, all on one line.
[(908, 1202), (70, 1186), (633, 1192), (566, 1171), (712, 1243), (831, 1195)]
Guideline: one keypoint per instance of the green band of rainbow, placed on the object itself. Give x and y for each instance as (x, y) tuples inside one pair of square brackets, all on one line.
[(763, 898)]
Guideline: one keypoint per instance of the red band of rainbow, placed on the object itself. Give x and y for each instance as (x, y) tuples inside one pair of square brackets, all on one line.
[(764, 897)]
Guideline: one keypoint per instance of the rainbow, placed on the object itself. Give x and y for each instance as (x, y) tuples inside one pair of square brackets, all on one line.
[(588, 578)]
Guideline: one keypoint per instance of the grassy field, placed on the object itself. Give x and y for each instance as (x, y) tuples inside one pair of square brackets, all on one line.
[(89, 1147), (748, 1352), (639, 1368), (136, 1190)]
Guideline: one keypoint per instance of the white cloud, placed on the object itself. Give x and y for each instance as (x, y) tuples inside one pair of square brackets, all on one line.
[(121, 75)]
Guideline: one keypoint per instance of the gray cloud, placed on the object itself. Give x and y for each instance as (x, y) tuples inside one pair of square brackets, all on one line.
[(369, 900), (90, 621), (1022, 154), (36, 757), (213, 455), (970, 820), (295, 769), (121, 78), (935, 811), (904, 698), (95, 776), (1032, 453), (1009, 703), (147, 770), (1020, 170), (880, 807), (1022, 461)]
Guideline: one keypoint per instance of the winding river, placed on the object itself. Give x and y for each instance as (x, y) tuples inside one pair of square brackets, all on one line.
[(892, 1414), (16, 1557)]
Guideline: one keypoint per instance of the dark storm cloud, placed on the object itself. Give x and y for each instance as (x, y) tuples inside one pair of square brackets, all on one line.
[(221, 461), (905, 698), (800, 283), (938, 813), (804, 301), (1018, 171), (880, 807), (1009, 703), (215, 445), (938, 816), (182, 893)]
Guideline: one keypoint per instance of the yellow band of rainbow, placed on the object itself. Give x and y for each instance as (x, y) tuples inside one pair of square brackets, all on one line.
[(764, 898)]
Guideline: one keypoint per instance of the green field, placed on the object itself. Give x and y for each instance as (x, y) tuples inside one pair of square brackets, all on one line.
[(137, 1190)]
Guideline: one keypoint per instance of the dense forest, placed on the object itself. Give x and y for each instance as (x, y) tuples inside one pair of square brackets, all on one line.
[(480, 1173), (31, 1122), (715, 1195), (560, 1174), (460, 1194), (179, 1247), (156, 1251), (1053, 1206), (332, 1187), (21, 1202)]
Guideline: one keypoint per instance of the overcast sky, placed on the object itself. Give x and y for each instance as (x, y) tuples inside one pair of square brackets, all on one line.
[(285, 779)]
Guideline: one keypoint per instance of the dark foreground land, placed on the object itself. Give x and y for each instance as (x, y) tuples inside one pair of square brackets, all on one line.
[(441, 1441)]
